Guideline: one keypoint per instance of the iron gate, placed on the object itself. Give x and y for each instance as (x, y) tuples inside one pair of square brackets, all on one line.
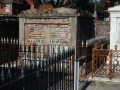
[(106, 63)]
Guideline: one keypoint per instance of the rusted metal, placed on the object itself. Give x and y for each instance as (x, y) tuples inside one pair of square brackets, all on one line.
[(93, 61), (99, 59), (106, 63), (110, 75)]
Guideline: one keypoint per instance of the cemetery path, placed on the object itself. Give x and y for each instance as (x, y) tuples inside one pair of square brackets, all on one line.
[(97, 85)]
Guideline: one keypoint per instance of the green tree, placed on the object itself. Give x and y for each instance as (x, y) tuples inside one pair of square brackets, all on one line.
[(100, 6)]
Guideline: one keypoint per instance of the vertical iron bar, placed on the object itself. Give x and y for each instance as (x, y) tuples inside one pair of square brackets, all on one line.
[(43, 68), (58, 76), (55, 70), (39, 53), (70, 74), (62, 71), (68, 70), (86, 61), (48, 72), (12, 52), (66, 67), (53, 73), (58, 58), (25, 50), (4, 52), (93, 61), (73, 69), (69, 66), (46, 58), (111, 73)]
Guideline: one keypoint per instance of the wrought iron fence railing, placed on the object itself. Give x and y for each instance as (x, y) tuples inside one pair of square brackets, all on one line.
[(106, 63), (36, 67), (42, 67)]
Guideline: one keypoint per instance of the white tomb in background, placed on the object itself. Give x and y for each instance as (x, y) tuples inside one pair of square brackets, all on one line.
[(114, 27), (115, 34)]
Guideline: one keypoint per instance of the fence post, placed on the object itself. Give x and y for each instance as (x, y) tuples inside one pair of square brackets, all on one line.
[(86, 52), (93, 61), (76, 73), (2, 76), (110, 75)]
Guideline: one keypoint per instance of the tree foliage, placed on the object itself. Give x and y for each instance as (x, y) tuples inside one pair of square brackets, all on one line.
[(80, 5), (100, 6)]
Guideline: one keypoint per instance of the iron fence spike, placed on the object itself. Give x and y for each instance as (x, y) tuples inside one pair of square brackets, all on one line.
[(58, 48), (4, 40), (23, 66), (1, 39), (39, 63), (63, 49), (14, 40), (7, 40), (53, 49), (35, 62), (11, 40), (33, 66), (9, 72), (27, 64), (22, 71), (2, 73), (82, 43), (86, 43)]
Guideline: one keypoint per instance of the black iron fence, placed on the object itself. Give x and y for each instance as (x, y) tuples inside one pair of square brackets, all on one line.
[(42, 67), (36, 67), (84, 57)]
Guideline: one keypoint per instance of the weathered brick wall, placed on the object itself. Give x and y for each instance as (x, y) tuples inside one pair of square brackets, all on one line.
[(102, 28), (48, 31)]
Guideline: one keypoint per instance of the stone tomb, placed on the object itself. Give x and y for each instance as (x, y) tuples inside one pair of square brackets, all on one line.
[(114, 26), (40, 28)]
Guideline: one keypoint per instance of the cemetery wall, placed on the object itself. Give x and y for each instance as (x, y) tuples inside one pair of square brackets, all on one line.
[(102, 28)]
